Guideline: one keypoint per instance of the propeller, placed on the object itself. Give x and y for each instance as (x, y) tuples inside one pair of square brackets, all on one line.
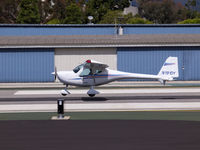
[(55, 73)]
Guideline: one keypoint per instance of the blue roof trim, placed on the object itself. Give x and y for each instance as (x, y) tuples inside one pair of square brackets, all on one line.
[(99, 25)]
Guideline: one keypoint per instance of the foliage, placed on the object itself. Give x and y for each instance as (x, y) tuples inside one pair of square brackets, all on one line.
[(190, 4), (45, 10), (59, 9), (111, 17), (118, 4), (99, 8), (9, 11), (157, 11), (190, 21), (191, 12), (29, 12), (103, 11), (137, 20), (117, 17), (73, 14), (53, 21)]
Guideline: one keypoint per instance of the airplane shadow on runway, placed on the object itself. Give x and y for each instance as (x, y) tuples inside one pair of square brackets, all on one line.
[(94, 99), (136, 98)]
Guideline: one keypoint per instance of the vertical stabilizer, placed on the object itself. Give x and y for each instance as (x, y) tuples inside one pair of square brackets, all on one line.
[(169, 69)]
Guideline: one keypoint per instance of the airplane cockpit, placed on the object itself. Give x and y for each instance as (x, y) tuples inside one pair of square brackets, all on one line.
[(85, 71), (77, 69)]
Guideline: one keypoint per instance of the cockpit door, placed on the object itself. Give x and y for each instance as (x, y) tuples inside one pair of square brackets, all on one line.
[(88, 77)]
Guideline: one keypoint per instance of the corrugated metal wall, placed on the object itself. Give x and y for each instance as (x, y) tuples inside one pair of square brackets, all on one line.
[(191, 63), (147, 60), (26, 65), (67, 59)]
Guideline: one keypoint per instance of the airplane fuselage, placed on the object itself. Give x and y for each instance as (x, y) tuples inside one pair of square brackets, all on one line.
[(93, 73), (71, 78)]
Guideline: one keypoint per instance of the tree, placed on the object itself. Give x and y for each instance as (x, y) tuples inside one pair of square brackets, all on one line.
[(111, 17), (73, 14), (191, 12), (137, 20), (157, 11), (51, 10), (29, 12), (59, 9), (45, 10), (118, 4), (8, 11), (117, 17), (99, 8), (62, 11), (190, 4)]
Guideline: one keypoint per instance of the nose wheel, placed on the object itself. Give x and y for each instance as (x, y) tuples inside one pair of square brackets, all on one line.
[(65, 91)]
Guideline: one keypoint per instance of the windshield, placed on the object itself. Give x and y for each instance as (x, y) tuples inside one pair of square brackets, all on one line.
[(77, 68)]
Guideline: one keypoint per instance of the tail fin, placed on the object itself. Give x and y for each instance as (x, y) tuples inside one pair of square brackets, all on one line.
[(169, 69)]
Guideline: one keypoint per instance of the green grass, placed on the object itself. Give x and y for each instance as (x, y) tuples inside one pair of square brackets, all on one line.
[(143, 115)]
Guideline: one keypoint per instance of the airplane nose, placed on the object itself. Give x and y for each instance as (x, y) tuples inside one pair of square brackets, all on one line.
[(62, 76)]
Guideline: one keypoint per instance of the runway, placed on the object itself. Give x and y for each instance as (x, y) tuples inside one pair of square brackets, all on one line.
[(124, 130), (152, 99)]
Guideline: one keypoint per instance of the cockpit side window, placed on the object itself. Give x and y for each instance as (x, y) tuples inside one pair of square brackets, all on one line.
[(85, 72), (77, 68), (98, 71)]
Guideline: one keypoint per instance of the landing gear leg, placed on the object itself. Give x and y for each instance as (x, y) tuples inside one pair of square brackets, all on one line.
[(65, 91), (92, 92)]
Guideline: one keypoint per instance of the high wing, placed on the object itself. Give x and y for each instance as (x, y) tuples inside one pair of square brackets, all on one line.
[(94, 66)]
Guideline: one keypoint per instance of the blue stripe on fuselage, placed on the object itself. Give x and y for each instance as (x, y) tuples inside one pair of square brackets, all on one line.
[(100, 76)]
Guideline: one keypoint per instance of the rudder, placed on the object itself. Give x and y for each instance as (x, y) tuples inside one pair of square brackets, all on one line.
[(170, 68)]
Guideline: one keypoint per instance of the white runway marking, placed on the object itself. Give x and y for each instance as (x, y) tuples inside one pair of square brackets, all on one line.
[(111, 91), (100, 107)]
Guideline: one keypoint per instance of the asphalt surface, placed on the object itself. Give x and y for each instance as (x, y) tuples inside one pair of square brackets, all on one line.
[(8, 96), (98, 135)]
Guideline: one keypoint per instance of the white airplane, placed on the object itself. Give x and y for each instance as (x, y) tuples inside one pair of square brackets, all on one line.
[(92, 73)]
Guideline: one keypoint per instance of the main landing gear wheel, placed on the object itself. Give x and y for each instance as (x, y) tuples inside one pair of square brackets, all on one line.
[(91, 95), (63, 94), (92, 92)]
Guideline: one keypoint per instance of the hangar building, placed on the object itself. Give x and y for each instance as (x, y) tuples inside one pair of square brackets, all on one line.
[(29, 53)]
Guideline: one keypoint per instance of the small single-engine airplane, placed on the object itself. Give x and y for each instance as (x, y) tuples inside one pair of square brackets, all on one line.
[(92, 73)]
